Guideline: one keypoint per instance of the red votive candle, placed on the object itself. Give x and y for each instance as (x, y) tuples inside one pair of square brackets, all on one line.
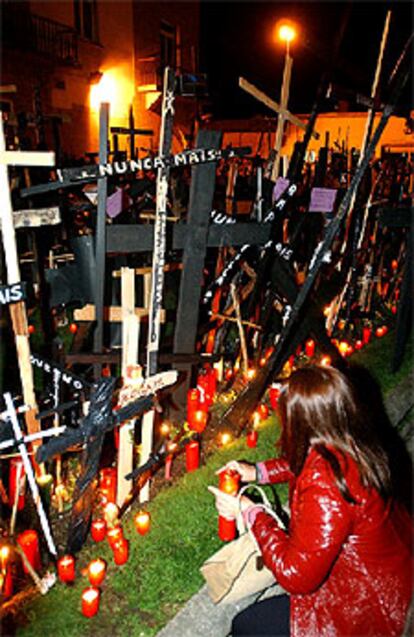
[(66, 569), (98, 530), (142, 522), (252, 438), (90, 601), (29, 543), (199, 421), (274, 393), (228, 483), (107, 484), (192, 455), (359, 344), (212, 382), (114, 535), (6, 577), (205, 397), (16, 469), (168, 466), (193, 397), (366, 334), (310, 348), (120, 552), (263, 410), (97, 572)]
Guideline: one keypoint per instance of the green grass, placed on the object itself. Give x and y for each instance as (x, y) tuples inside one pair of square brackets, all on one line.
[(377, 358), (163, 569)]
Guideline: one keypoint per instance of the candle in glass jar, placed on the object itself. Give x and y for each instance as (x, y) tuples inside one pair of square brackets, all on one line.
[(252, 438), (263, 410), (111, 513), (17, 483), (90, 601), (192, 455), (98, 530), (29, 543), (366, 334), (66, 569), (97, 572), (193, 397), (198, 421), (142, 522), (228, 483), (6, 577), (107, 484), (120, 552), (310, 348), (274, 393), (168, 466), (115, 535)]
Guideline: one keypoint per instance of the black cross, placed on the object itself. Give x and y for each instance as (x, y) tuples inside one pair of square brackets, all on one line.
[(131, 131), (91, 432)]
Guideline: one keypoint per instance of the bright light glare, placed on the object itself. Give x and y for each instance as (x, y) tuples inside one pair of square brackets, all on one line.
[(286, 33), (113, 88)]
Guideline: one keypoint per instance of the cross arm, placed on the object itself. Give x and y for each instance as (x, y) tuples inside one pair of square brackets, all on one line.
[(274, 106), (29, 158)]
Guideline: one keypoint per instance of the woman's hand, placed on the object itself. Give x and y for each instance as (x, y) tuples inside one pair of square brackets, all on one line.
[(247, 471), (228, 505)]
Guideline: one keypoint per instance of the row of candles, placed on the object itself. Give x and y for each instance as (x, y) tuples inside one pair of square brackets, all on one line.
[(101, 528)]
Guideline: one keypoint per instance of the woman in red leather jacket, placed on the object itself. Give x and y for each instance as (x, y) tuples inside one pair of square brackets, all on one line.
[(346, 560)]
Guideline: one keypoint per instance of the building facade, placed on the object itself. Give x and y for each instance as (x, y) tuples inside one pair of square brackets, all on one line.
[(61, 59)]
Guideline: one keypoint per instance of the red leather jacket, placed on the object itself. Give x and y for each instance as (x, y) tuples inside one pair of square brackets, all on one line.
[(348, 567)]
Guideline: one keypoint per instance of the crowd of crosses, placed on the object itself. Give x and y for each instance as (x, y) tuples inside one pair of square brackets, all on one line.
[(321, 257)]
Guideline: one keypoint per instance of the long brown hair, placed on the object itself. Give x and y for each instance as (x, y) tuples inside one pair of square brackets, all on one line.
[(318, 407)]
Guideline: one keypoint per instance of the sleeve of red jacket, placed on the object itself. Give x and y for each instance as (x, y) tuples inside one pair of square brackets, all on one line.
[(301, 560), (274, 470)]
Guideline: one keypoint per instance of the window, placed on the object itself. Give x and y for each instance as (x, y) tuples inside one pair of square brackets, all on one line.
[(168, 45), (85, 17)]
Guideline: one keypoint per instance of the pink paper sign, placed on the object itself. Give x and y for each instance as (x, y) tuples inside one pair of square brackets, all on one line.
[(117, 202), (280, 187), (322, 199), (114, 204)]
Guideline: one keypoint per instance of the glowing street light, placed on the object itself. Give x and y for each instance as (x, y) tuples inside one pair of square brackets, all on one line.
[(286, 33)]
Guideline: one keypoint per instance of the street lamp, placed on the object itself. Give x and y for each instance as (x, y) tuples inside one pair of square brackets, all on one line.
[(286, 32)]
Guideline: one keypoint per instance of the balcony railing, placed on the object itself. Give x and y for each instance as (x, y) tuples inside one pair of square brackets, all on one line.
[(29, 32)]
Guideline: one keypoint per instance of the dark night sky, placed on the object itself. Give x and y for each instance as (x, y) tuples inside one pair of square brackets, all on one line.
[(237, 40)]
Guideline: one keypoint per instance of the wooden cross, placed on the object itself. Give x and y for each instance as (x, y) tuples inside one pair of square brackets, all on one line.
[(158, 256), (274, 106), (18, 310), (131, 131), (21, 442), (130, 343)]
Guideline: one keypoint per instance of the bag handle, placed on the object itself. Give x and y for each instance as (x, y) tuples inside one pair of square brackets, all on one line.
[(266, 506)]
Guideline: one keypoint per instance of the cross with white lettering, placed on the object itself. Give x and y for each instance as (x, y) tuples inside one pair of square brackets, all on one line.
[(18, 309), (21, 441)]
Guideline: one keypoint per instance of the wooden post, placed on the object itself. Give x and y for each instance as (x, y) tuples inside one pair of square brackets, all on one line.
[(284, 97), (243, 346), (100, 246), (130, 340), (201, 197), (18, 310)]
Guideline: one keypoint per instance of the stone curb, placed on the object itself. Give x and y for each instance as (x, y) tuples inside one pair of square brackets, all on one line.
[(200, 617)]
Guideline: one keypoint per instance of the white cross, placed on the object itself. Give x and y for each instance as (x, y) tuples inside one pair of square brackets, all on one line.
[(21, 442)]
